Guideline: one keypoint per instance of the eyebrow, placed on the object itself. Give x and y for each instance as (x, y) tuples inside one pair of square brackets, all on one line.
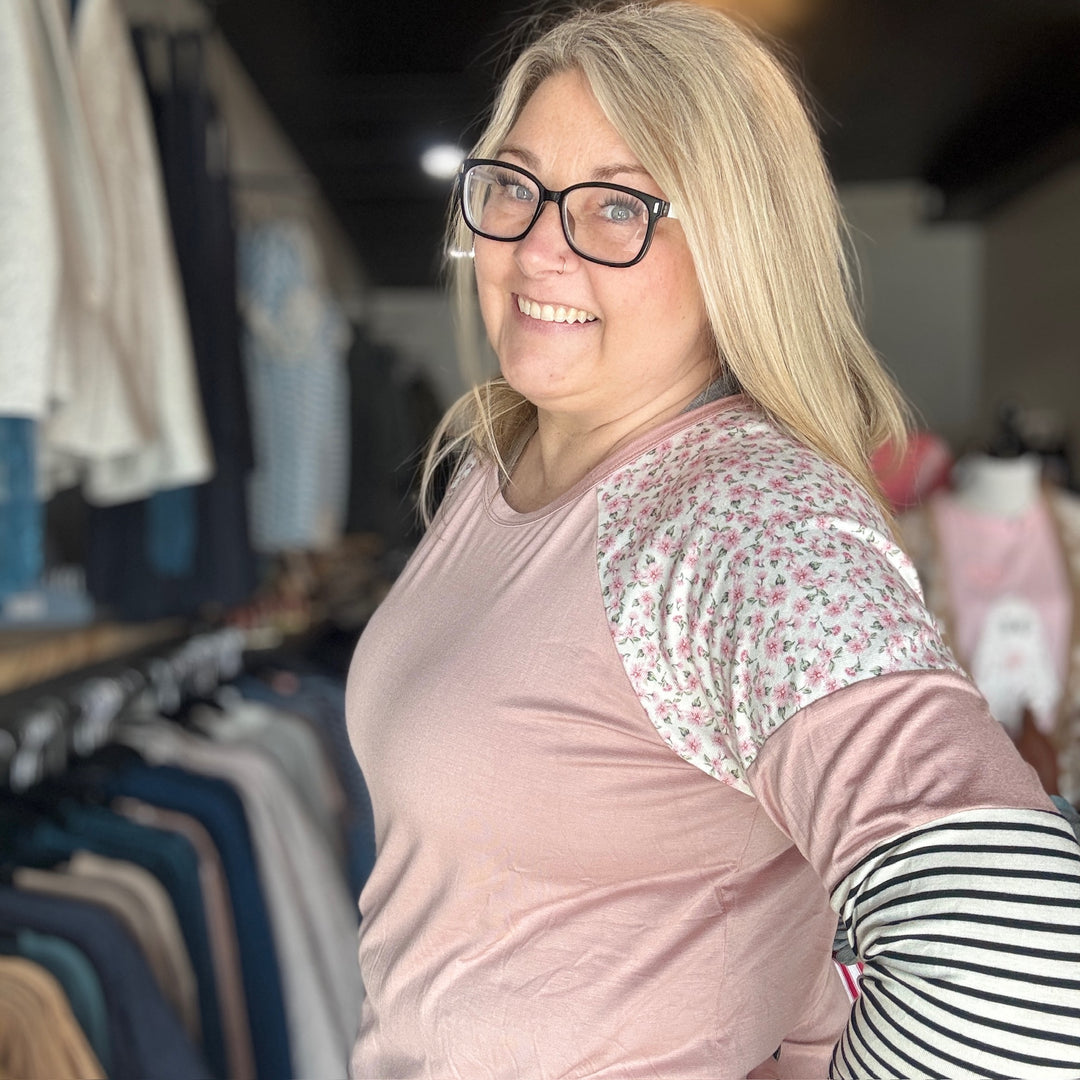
[(604, 173)]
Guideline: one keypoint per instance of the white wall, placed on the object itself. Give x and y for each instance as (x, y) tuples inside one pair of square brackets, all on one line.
[(1032, 336), (923, 300)]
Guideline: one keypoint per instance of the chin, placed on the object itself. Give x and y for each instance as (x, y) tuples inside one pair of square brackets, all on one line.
[(538, 377)]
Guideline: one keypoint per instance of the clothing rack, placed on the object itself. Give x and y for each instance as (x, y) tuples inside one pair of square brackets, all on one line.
[(43, 726), (235, 799)]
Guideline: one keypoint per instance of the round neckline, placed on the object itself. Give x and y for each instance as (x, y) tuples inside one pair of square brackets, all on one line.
[(500, 511)]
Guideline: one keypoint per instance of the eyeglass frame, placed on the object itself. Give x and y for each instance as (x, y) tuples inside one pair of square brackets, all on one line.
[(657, 208)]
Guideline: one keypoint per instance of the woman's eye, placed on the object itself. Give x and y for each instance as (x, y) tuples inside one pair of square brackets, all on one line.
[(515, 189), (619, 212)]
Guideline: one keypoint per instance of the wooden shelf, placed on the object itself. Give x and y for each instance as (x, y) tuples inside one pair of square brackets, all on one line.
[(28, 657)]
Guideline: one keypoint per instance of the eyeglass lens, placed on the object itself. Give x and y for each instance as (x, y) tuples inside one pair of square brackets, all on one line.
[(599, 221)]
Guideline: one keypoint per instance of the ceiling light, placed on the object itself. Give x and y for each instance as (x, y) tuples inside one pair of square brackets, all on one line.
[(442, 161)]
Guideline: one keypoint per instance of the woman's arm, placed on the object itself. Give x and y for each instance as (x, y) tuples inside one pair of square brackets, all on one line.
[(969, 929), (956, 880)]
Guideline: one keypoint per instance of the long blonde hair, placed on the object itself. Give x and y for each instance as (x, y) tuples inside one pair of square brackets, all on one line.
[(713, 116)]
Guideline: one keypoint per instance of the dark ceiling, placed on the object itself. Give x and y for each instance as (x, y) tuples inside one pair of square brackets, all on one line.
[(978, 98)]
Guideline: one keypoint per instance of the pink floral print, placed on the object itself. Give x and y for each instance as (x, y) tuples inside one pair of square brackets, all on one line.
[(744, 577)]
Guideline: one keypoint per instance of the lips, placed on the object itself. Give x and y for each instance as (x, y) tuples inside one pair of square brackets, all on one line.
[(553, 312)]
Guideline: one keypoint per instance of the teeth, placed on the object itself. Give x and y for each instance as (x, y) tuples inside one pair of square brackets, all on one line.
[(552, 312)]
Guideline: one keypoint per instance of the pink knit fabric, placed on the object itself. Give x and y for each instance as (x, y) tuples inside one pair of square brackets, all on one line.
[(562, 717)]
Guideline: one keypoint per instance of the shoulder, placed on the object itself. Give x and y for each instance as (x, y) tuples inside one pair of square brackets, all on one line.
[(455, 487), (745, 577), (735, 463), (458, 476), (738, 492), (460, 472)]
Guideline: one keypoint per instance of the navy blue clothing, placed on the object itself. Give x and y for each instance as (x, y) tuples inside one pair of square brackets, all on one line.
[(179, 551), (146, 1037), (216, 805), (169, 857)]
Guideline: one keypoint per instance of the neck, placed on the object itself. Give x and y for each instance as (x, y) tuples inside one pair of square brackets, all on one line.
[(559, 455), (1004, 487)]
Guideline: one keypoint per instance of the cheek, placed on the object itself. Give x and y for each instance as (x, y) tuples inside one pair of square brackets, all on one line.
[(491, 261), (489, 267), (690, 308)]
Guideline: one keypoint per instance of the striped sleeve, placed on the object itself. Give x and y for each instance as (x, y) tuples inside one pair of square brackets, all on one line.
[(969, 931)]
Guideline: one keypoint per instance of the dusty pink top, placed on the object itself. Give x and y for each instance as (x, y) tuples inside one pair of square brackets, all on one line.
[(602, 744)]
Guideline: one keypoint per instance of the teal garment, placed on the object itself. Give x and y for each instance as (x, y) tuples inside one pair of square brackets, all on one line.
[(172, 528), (21, 529), (73, 970)]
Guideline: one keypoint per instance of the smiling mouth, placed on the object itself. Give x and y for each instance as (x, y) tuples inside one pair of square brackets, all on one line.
[(553, 312)]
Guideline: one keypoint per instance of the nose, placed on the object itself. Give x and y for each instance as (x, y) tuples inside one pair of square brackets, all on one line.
[(544, 248)]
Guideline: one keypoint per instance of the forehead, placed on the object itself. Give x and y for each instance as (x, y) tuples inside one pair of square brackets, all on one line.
[(562, 126)]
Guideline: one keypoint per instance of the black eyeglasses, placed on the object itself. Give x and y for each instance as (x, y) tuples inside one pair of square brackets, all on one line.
[(605, 223)]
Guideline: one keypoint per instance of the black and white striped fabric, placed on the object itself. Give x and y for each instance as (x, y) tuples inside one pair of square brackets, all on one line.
[(969, 929)]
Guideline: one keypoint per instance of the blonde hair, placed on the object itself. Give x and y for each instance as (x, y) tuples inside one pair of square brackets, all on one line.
[(713, 116)]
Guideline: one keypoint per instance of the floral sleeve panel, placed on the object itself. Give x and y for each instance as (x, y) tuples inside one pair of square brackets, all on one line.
[(743, 578)]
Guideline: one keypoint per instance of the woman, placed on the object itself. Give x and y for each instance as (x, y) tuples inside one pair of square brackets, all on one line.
[(656, 698)]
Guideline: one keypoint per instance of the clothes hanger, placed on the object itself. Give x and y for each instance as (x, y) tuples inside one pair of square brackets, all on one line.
[(40, 737)]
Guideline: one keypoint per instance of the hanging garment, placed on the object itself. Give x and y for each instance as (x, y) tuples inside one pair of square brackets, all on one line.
[(320, 699), (147, 1040), (170, 858), (386, 442), (910, 478), (21, 543), (128, 908), (191, 139), (291, 743), (55, 254), (157, 929), (82, 987), (39, 1036), (313, 923), (29, 289), (217, 806), (294, 343), (221, 926), (134, 422), (140, 563)]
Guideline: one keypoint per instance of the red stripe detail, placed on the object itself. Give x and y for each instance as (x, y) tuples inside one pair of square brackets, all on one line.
[(851, 983)]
